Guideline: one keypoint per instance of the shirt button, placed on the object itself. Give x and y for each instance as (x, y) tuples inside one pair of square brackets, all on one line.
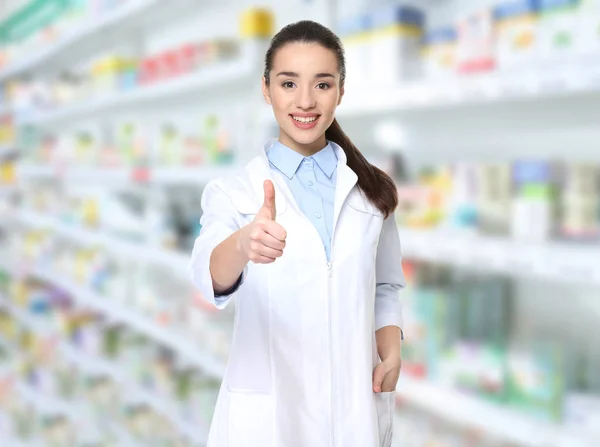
[(310, 183), (307, 161), (318, 215)]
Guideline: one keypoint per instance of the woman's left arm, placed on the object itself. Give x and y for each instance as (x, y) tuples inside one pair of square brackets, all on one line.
[(388, 307)]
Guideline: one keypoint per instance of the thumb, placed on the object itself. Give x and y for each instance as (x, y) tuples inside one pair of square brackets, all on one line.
[(269, 201), (378, 376)]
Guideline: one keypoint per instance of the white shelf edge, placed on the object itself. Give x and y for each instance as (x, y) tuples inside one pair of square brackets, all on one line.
[(555, 261), (496, 87), (200, 174)]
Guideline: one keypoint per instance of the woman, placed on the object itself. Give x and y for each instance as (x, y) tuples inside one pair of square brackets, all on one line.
[(305, 238)]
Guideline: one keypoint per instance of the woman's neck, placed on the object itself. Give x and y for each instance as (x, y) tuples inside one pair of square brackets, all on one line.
[(306, 150)]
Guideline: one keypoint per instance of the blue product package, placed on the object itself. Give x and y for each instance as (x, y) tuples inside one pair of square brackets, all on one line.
[(515, 8), (397, 15), (526, 172), (440, 35), (555, 4), (352, 26)]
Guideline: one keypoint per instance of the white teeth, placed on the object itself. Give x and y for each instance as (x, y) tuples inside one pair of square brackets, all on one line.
[(301, 119)]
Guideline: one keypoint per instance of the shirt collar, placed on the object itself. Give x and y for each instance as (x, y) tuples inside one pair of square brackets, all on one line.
[(287, 160), (326, 159)]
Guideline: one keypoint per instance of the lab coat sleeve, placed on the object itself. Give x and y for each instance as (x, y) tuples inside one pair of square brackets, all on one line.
[(218, 222), (389, 277)]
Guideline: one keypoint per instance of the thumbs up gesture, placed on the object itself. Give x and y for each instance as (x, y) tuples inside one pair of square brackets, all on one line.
[(263, 240)]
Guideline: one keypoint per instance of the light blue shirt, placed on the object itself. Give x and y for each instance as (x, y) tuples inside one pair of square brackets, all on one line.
[(312, 183)]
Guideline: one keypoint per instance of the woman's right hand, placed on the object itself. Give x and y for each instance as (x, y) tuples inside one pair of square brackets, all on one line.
[(262, 241)]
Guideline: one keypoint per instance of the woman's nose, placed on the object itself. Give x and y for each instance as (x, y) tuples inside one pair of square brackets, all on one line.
[(305, 99)]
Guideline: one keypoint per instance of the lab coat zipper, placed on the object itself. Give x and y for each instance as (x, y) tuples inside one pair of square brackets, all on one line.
[(331, 373)]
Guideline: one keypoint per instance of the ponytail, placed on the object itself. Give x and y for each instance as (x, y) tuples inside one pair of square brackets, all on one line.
[(379, 188)]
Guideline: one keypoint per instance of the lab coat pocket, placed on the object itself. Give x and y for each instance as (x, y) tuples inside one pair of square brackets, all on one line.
[(385, 404), (251, 419)]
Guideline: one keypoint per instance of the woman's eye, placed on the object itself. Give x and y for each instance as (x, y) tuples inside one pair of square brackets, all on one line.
[(288, 84), (323, 86)]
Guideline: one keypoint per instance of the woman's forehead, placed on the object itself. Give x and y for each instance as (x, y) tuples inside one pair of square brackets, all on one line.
[(305, 58)]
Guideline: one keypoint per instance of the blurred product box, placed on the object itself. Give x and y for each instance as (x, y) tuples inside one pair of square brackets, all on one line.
[(355, 33), (476, 43), (588, 27), (257, 23), (558, 31), (516, 28), (395, 44), (580, 202), (439, 53), (535, 203)]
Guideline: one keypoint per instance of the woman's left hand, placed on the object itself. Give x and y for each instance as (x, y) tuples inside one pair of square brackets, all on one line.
[(386, 374)]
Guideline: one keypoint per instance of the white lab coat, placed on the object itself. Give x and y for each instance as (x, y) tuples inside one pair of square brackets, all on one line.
[(303, 351)]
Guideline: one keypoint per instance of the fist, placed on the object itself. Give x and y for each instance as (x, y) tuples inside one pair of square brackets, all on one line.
[(263, 240)]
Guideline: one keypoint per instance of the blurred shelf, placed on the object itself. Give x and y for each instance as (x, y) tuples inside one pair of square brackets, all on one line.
[(577, 263), (471, 411), (28, 172), (539, 86), (46, 404), (200, 174), (98, 366), (134, 391), (5, 109), (118, 312), (177, 262), (94, 33), (7, 190), (192, 175), (78, 412), (26, 318), (6, 150), (205, 81)]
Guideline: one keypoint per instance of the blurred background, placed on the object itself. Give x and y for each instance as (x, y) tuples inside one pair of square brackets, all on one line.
[(115, 113)]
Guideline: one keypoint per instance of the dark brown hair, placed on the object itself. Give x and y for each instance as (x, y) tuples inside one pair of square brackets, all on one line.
[(375, 184)]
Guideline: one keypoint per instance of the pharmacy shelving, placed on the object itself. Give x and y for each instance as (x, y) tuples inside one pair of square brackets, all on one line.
[(125, 176), (92, 33), (485, 89), (177, 262), (117, 312), (576, 263), (464, 409), (97, 366), (564, 262), (73, 411), (237, 72)]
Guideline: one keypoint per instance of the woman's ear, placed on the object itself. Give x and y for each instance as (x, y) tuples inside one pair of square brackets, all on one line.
[(265, 91), (341, 95)]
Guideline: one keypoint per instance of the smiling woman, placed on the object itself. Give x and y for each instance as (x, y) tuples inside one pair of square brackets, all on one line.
[(305, 239), (309, 69)]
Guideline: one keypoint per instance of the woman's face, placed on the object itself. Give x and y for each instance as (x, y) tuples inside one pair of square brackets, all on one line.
[(304, 91)]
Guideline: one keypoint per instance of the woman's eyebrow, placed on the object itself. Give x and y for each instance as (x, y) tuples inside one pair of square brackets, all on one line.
[(293, 74)]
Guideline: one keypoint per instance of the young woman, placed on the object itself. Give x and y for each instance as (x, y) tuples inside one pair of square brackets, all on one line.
[(305, 238)]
